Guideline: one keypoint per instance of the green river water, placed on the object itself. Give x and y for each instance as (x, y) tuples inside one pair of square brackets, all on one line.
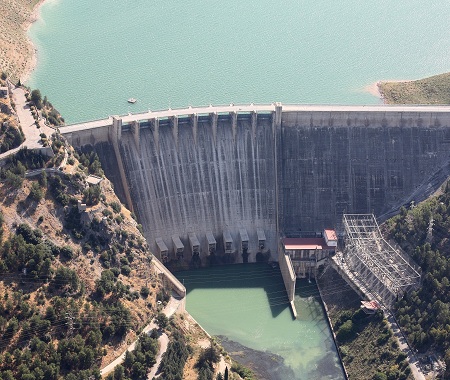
[(248, 305)]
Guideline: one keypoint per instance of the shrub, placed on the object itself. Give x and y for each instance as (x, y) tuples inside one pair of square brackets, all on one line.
[(125, 270), (161, 320), (145, 292), (36, 98), (124, 261), (66, 278), (106, 212), (209, 356), (380, 376), (105, 284), (174, 358), (346, 331), (43, 179), (36, 192), (162, 295), (116, 271), (29, 235), (67, 252), (59, 190), (116, 207), (401, 356), (242, 371), (92, 195), (14, 180)]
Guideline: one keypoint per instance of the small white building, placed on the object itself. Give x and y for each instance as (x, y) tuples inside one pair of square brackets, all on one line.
[(244, 239), (212, 244), (178, 246), (162, 249), (93, 179), (227, 242), (330, 238), (308, 253), (195, 244)]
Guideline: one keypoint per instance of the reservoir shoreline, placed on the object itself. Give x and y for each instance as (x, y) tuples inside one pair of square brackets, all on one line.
[(374, 88), (35, 15)]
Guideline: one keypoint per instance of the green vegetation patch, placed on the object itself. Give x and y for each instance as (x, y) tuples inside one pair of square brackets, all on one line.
[(137, 362), (368, 348), (174, 359), (424, 233), (10, 136), (432, 90)]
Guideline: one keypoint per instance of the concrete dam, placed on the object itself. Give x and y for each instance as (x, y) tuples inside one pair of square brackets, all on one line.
[(235, 179)]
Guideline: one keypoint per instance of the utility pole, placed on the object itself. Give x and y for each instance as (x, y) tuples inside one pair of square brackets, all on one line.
[(69, 318)]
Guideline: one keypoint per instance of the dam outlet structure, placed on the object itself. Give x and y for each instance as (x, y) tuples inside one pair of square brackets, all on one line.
[(226, 183)]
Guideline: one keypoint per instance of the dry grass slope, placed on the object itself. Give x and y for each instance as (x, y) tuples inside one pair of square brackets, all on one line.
[(16, 51), (432, 90)]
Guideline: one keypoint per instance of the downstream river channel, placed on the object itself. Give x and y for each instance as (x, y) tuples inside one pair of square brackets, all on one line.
[(248, 305)]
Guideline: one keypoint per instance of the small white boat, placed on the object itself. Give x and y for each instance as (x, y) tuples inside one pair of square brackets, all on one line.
[(132, 100)]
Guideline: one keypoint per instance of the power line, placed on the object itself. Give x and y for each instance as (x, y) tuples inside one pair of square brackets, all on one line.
[(73, 323)]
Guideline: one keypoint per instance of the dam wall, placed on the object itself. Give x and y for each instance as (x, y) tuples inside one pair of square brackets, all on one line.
[(197, 182), (279, 169), (356, 162)]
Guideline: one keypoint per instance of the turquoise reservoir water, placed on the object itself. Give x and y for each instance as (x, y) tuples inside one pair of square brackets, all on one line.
[(94, 55), (248, 305)]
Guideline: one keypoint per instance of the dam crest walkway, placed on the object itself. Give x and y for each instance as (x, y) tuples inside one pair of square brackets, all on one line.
[(254, 108)]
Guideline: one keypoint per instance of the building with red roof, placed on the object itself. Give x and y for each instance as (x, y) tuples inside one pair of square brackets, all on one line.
[(307, 254)]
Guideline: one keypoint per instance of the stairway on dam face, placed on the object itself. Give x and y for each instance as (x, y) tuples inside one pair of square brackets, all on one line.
[(312, 168)]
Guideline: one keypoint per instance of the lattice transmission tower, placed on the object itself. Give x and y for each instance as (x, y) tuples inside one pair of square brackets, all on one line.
[(384, 270)]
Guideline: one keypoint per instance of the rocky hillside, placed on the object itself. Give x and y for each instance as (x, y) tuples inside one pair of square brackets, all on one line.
[(11, 135), (76, 277), (77, 281)]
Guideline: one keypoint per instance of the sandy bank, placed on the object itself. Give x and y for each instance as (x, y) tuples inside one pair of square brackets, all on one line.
[(35, 14), (375, 90)]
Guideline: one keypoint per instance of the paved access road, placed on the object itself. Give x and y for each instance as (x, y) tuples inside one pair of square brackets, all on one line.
[(169, 310), (26, 120)]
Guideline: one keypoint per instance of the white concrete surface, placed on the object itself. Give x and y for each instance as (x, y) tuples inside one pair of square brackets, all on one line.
[(258, 108)]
